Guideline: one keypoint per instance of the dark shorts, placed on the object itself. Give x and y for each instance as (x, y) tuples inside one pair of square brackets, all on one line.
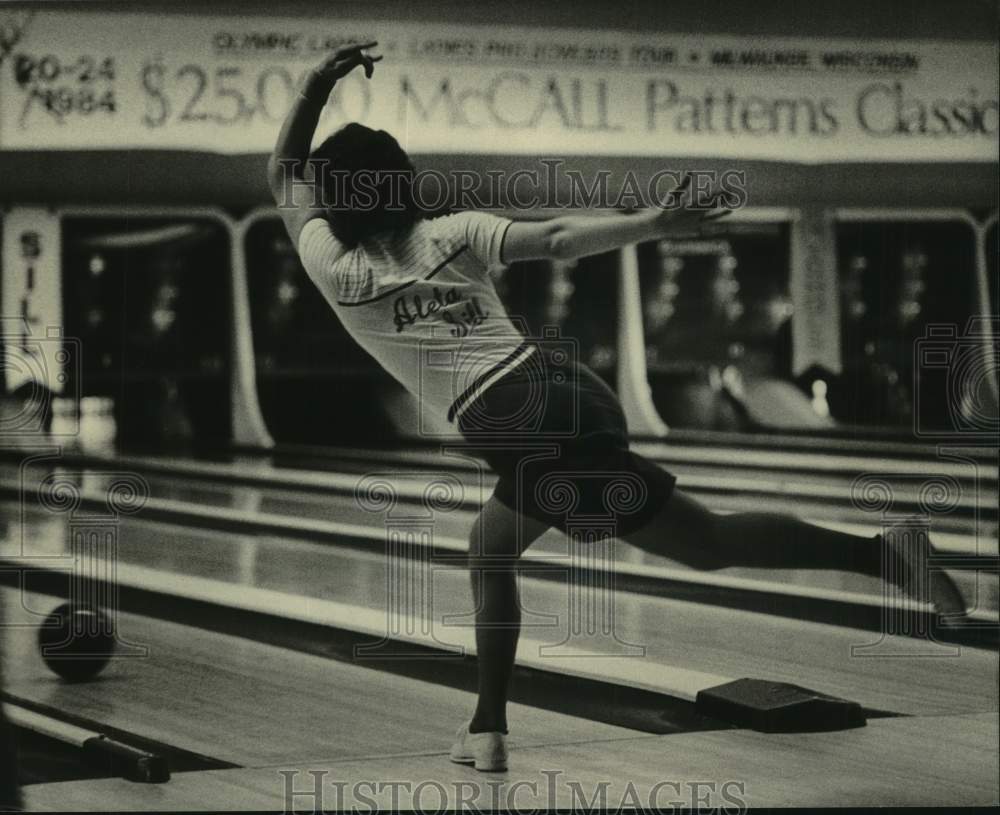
[(555, 434)]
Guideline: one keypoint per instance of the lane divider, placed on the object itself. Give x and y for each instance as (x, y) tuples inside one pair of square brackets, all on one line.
[(98, 748)]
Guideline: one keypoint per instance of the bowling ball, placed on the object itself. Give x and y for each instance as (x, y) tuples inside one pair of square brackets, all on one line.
[(76, 641)]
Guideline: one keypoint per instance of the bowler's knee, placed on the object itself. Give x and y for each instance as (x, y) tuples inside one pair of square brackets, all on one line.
[(491, 549)]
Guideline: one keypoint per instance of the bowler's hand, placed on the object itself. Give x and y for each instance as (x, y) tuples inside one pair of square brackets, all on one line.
[(339, 64), (344, 60), (691, 214)]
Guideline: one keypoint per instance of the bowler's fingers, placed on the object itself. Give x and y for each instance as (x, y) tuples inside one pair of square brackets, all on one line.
[(347, 50), (353, 53), (369, 63)]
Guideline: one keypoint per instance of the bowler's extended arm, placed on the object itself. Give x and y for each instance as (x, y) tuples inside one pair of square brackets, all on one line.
[(297, 198), (573, 236)]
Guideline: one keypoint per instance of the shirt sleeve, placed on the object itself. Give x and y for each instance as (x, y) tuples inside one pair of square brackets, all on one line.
[(484, 233), (319, 249)]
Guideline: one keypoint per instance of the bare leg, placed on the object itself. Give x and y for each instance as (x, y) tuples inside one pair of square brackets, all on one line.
[(499, 536), (687, 531)]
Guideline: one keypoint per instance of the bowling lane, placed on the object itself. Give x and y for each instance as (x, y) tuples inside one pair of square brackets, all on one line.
[(932, 761), (809, 496), (769, 453), (256, 705), (909, 676), (737, 487), (325, 515), (339, 505)]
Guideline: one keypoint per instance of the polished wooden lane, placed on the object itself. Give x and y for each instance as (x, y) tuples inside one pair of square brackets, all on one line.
[(326, 517), (253, 704), (944, 761), (821, 497), (323, 584), (270, 708)]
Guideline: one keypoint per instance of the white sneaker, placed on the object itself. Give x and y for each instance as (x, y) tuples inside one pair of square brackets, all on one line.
[(485, 751)]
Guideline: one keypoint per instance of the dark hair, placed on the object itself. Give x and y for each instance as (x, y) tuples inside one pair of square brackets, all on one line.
[(367, 182)]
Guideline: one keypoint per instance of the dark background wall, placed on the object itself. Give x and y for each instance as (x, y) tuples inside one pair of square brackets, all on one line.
[(865, 19)]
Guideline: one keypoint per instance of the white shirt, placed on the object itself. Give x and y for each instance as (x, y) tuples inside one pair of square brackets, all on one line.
[(423, 304)]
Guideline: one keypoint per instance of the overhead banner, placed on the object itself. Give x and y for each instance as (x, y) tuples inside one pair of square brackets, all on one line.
[(78, 79)]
